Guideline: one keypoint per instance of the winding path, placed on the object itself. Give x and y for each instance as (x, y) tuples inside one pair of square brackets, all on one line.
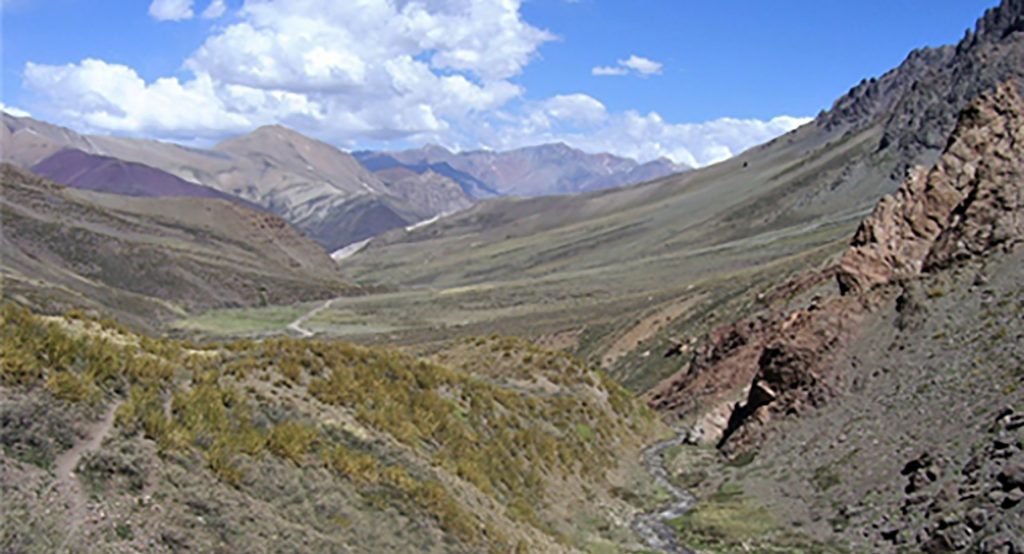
[(653, 526), (67, 485), (297, 325)]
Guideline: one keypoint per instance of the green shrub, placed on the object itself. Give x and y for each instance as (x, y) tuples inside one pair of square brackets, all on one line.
[(291, 440)]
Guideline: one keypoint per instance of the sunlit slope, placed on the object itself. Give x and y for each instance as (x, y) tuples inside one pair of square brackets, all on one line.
[(147, 259), (309, 446), (770, 189), (597, 266)]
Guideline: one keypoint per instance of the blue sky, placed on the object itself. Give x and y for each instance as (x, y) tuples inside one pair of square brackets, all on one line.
[(441, 72)]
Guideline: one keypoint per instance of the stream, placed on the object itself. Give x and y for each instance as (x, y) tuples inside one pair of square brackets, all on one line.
[(653, 526)]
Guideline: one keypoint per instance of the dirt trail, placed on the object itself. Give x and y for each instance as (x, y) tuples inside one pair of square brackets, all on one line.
[(296, 325), (653, 526), (69, 489)]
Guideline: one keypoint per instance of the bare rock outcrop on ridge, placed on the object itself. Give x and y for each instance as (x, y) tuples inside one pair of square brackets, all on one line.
[(969, 203)]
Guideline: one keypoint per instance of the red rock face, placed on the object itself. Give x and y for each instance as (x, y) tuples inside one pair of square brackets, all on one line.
[(724, 363), (793, 367), (969, 204), (986, 161)]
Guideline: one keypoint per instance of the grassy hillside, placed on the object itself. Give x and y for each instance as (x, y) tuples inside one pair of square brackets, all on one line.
[(134, 443), (148, 260), (616, 276)]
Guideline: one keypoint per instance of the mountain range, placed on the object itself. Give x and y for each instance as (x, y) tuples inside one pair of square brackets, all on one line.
[(325, 192), (531, 171)]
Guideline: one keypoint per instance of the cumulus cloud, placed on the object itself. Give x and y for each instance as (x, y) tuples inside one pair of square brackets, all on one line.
[(641, 65), (576, 108), (638, 65), (390, 73), (215, 9), (112, 97), (11, 110), (277, 41), (584, 122), (346, 71), (171, 10)]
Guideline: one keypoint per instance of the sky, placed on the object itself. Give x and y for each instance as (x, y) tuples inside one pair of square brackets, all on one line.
[(694, 81)]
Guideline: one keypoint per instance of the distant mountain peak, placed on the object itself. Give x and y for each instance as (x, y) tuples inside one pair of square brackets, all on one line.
[(275, 132), (558, 146), (434, 148)]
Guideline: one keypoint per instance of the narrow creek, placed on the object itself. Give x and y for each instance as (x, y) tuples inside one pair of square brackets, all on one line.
[(653, 526)]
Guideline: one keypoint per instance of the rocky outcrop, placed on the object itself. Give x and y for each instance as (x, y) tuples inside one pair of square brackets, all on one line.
[(722, 363), (874, 97), (990, 54), (918, 102), (967, 204), (793, 369), (726, 359), (986, 160)]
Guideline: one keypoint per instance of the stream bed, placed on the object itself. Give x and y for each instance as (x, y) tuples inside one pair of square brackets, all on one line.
[(653, 526)]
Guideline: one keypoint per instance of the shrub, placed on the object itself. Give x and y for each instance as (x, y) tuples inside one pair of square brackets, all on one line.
[(291, 440), (72, 387)]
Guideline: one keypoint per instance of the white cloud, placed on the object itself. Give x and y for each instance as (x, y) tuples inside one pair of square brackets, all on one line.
[(171, 10), (641, 66), (346, 71), (112, 97), (577, 108), (485, 38), (583, 122), (11, 110), (608, 71), (215, 9), (390, 73)]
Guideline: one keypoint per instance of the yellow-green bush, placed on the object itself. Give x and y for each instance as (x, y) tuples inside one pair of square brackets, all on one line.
[(72, 387), (482, 427), (291, 440)]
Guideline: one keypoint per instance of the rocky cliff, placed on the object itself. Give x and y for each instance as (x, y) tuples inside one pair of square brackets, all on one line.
[(968, 205)]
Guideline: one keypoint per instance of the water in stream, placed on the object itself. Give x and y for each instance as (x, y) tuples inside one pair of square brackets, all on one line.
[(653, 526)]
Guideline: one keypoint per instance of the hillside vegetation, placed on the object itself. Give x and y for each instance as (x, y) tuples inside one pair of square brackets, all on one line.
[(308, 445), (147, 260)]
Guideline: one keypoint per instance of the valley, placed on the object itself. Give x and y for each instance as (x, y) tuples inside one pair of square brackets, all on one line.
[(271, 344)]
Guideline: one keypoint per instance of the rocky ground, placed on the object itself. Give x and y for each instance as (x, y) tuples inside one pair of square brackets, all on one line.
[(919, 449), (884, 412)]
